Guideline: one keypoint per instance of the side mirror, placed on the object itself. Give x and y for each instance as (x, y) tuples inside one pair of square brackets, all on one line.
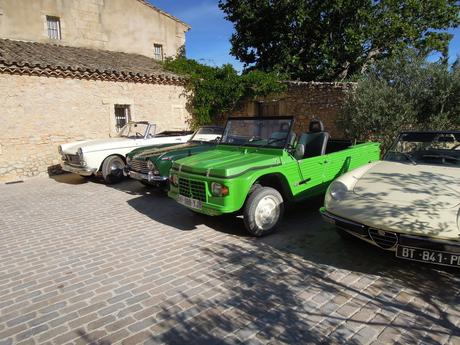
[(299, 151)]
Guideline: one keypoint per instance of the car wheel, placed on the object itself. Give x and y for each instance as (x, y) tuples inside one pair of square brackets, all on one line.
[(112, 169), (263, 210)]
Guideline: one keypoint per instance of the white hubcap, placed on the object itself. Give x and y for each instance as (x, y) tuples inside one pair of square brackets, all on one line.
[(116, 165), (267, 212)]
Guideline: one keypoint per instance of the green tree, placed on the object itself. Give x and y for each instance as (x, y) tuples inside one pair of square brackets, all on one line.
[(214, 91), (334, 39), (404, 92)]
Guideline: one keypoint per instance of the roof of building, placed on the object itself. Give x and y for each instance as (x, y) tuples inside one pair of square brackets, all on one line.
[(146, 3), (50, 60)]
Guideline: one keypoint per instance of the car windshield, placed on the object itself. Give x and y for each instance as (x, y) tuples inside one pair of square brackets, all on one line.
[(257, 132), (207, 134), (427, 148), (133, 130)]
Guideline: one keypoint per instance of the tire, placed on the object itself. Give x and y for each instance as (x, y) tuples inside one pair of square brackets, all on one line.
[(263, 211), (112, 169)]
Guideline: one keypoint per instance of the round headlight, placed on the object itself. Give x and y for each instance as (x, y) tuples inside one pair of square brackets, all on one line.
[(128, 160), (218, 189), (338, 190), (60, 149), (80, 152)]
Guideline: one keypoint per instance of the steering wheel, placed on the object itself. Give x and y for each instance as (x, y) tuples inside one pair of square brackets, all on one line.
[(455, 147)]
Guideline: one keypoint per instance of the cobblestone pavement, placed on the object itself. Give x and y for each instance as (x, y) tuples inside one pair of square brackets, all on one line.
[(85, 263)]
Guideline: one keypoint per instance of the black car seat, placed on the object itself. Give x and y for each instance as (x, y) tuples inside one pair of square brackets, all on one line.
[(313, 143)]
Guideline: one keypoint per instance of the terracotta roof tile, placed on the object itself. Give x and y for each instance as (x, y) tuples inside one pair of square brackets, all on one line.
[(18, 57)]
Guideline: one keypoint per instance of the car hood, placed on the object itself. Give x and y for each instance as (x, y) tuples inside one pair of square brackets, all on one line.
[(419, 186), (229, 162), (96, 145), (162, 149), (143, 153)]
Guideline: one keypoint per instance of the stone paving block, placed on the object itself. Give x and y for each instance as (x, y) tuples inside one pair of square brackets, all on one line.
[(73, 278)]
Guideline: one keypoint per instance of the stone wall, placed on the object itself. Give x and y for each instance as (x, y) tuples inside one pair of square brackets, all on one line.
[(39, 113), (305, 101)]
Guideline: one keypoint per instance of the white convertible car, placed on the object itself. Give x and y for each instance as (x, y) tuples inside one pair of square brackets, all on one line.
[(408, 203), (107, 156)]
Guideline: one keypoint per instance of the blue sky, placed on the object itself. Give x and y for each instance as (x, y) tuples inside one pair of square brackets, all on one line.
[(208, 40)]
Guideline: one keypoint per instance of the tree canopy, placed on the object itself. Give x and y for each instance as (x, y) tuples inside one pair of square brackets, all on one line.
[(332, 40), (404, 92), (214, 91)]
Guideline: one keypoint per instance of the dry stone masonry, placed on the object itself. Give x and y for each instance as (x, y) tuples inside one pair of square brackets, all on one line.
[(305, 101)]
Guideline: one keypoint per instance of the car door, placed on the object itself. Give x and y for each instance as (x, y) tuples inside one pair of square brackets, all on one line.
[(312, 172)]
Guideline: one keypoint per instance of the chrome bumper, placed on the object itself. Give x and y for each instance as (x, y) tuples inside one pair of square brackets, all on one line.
[(77, 169), (146, 177)]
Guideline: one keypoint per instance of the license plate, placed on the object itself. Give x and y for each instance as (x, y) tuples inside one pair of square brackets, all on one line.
[(428, 255), (136, 175), (189, 202)]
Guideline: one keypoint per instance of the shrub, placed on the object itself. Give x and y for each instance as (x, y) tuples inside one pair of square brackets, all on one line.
[(403, 93), (214, 91)]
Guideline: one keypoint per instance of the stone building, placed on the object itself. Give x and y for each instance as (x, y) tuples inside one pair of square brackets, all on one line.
[(129, 26), (305, 101), (69, 70)]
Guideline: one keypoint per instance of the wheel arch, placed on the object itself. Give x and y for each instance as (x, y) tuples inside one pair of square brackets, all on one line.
[(277, 181)]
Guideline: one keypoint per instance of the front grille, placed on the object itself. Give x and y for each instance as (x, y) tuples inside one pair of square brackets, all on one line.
[(139, 166), (383, 239), (72, 159), (192, 189)]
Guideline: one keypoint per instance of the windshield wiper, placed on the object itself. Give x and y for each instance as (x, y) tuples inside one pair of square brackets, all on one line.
[(405, 154)]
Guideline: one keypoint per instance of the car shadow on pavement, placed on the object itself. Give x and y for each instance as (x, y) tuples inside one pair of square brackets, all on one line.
[(156, 205), (69, 178)]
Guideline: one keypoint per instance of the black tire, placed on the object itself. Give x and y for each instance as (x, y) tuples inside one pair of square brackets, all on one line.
[(254, 213), (112, 169)]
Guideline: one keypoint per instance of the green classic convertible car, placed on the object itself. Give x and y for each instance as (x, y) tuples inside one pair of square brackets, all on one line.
[(151, 164), (258, 165)]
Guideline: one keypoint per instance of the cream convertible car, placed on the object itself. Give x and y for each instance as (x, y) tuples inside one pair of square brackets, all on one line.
[(408, 203)]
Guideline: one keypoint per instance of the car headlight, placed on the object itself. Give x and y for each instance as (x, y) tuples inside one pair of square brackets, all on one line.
[(174, 179), (150, 165), (128, 160), (218, 189), (60, 149), (338, 190)]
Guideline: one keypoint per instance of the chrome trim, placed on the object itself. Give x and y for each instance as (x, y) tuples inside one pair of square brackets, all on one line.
[(138, 176), (147, 177), (158, 178), (77, 169)]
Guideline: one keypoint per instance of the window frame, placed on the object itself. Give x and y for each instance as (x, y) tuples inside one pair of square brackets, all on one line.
[(127, 115), (54, 33), (158, 56)]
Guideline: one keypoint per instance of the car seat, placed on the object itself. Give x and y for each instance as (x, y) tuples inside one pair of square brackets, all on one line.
[(313, 143)]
